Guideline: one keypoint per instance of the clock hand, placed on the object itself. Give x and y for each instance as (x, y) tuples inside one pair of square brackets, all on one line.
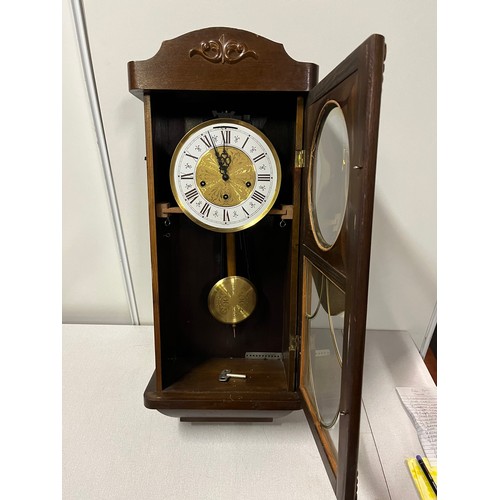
[(225, 155), (222, 163), (225, 160)]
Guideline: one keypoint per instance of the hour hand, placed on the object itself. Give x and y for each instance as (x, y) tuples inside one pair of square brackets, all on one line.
[(225, 176), (222, 163), (226, 161), (225, 158)]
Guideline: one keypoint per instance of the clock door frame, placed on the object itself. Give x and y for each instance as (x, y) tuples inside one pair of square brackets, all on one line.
[(355, 84)]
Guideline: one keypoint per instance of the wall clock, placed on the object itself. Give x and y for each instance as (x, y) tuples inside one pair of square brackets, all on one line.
[(260, 188)]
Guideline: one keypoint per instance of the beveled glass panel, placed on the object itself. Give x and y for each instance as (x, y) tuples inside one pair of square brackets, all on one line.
[(323, 335), (329, 180)]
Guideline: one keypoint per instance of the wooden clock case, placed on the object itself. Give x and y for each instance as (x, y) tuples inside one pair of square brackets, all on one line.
[(226, 72)]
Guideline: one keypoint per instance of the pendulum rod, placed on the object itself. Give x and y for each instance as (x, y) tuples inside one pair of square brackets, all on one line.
[(231, 254), (231, 263)]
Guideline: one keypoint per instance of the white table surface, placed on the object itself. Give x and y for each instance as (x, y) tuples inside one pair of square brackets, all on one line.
[(115, 448)]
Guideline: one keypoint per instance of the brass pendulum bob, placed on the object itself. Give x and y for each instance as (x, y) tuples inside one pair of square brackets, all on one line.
[(232, 299)]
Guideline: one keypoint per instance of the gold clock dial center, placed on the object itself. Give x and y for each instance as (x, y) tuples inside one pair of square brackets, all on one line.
[(236, 188)]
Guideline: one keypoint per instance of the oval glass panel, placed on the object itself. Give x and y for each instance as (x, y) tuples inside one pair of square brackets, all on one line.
[(330, 175), (324, 338)]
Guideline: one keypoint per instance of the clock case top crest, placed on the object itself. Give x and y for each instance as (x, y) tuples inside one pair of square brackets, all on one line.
[(229, 73)]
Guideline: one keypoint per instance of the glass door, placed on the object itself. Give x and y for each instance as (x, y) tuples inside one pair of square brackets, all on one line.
[(341, 129)]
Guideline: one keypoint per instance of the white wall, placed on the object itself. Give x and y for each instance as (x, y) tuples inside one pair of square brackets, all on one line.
[(93, 289), (403, 267)]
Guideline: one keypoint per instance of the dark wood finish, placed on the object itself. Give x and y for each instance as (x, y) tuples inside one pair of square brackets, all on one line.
[(430, 361), (263, 376), (356, 85), (180, 87), (323, 441), (265, 387), (221, 58), (152, 237), (218, 420), (290, 349), (430, 358)]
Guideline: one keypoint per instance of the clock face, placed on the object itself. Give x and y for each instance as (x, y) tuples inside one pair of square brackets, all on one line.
[(225, 175)]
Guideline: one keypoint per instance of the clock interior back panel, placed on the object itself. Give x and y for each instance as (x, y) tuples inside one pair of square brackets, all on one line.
[(192, 259), (177, 112)]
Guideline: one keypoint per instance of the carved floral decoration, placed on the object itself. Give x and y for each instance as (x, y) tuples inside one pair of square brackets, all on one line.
[(223, 51)]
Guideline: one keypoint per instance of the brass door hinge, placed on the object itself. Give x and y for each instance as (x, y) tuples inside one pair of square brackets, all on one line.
[(294, 343), (299, 158)]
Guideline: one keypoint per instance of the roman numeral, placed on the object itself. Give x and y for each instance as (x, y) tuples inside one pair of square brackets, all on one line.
[(258, 197), (191, 156), (226, 136), (264, 177), (191, 195), (205, 210), (244, 144), (243, 208), (206, 141), (187, 177), (258, 158), (225, 216)]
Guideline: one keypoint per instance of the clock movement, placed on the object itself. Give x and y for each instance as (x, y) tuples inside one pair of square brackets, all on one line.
[(260, 189)]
